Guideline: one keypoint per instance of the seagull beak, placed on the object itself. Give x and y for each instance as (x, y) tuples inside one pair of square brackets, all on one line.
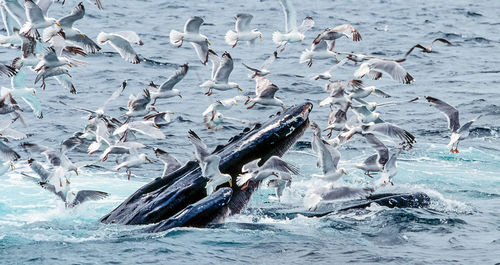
[(283, 107), (156, 126), (12, 167), (345, 172), (208, 42), (261, 38), (231, 184), (276, 174), (76, 172), (235, 103), (83, 35), (240, 89), (180, 95), (58, 24), (70, 65), (149, 160)]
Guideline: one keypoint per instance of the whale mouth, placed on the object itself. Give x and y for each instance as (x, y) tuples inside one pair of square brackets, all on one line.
[(165, 197)]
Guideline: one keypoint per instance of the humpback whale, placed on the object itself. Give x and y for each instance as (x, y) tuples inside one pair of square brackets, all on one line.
[(180, 199)]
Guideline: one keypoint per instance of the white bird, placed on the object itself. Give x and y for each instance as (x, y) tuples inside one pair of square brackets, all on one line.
[(35, 20), (201, 149), (375, 67), (132, 161), (138, 105), (292, 32), (171, 163), (328, 156), (167, 90), (69, 197), (389, 171), (213, 175), (371, 106), (327, 74), (363, 92), (221, 69), (263, 71), (272, 167), (192, 34), (61, 74), (338, 32), (318, 51), (121, 44), (218, 105), (428, 49), (376, 162), (264, 94), (386, 129), (458, 133), (144, 127), (160, 119), (9, 133), (242, 31), (19, 89), (73, 34), (284, 181)]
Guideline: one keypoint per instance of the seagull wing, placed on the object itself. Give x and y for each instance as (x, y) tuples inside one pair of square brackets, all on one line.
[(193, 25), (201, 149), (201, 49), (88, 195), (449, 111), (390, 130), (175, 78), (130, 36), (307, 24), (77, 14), (123, 47), (225, 69), (243, 22), (382, 150), (290, 15), (278, 164)]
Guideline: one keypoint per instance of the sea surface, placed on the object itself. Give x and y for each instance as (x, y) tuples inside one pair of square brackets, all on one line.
[(461, 226)]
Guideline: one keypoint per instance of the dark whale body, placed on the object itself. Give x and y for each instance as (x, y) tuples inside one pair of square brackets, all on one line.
[(180, 199)]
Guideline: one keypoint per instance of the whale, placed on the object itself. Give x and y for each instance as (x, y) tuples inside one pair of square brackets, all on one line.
[(180, 199)]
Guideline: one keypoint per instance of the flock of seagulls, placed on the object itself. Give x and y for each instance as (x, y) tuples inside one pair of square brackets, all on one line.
[(49, 46)]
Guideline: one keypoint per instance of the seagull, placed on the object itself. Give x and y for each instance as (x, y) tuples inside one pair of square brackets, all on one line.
[(317, 51), (338, 32), (7, 153), (133, 160), (384, 129), (328, 156), (19, 90), (428, 49), (327, 75), (69, 197), (36, 20), (264, 94), (167, 90), (263, 69), (201, 149), (284, 181), (242, 31), (51, 60), (218, 105), (120, 148), (144, 127), (371, 106), (138, 105), (221, 69), (366, 116), (60, 73), (292, 32), (160, 119), (375, 162), (213, 175), (171, 163), (73, 34), (121, 43), (336, 121), (375, 67), (272, 167), (56, 157), (192, 34), (363, 92), (389, 170), (10, 106), (9, 133), (458, 132)]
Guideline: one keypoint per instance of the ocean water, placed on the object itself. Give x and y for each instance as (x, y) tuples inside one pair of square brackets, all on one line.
[(462, 224)]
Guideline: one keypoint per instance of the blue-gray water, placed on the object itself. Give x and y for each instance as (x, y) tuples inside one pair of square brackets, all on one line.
[(461, 226)]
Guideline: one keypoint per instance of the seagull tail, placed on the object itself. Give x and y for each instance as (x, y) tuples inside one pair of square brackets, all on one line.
[(231, 37), (175, 37), (305, 56), (278, 37)]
